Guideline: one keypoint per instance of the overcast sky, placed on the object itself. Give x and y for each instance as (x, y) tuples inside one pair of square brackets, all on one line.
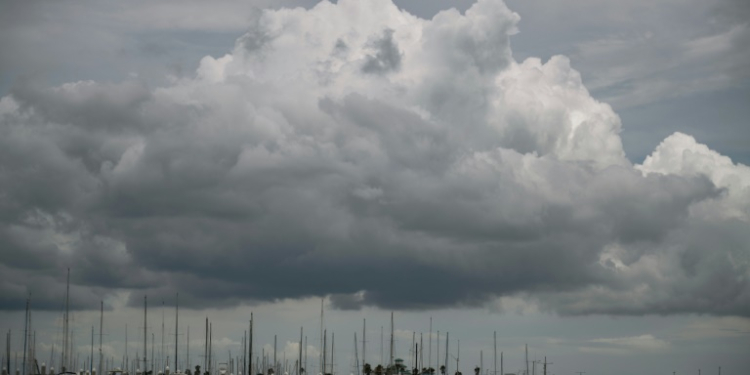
[(573, 175)]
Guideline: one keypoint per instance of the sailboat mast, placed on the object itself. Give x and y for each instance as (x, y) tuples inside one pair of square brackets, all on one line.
[(176, 326), (494, 341), (145, 334), (421, 353), (101, 328), (527, 359), (299, 360), (161, 352), (325, 345), (205, 350), (210, 344), (413, 345), (91, 360), (364, 341), (381, 344), (25, 335), (390, 361), (356, 354), (322, 340), (274, 366), (429, 356), (458, 354), (447, 341), (7, 352), (66, 338), (250, 348)]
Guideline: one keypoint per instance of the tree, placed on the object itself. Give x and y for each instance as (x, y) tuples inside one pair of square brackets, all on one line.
[(442, 370)]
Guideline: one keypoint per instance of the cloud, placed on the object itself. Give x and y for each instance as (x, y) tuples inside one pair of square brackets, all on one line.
[(625, 345), (358, 151)]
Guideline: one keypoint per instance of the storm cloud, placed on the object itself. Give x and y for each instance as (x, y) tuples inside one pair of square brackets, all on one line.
[(358, 151)]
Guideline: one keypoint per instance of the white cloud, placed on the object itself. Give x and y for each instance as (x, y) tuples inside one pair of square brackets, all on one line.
[(355, 139)]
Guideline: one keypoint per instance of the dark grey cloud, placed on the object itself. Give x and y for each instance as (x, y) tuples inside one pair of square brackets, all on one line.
[(386, 57), (256, 181)]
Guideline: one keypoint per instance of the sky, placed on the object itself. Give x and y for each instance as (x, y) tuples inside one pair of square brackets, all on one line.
[(572, 176)]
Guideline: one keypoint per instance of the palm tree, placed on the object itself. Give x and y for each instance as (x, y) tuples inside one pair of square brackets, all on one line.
[(379, 370), (442, 370), (476, 370), (368, 369)]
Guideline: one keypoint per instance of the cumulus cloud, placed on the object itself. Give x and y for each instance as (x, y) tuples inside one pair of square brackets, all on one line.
[(358, 151)]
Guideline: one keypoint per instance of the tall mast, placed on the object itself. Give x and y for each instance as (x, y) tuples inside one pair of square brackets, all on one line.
[(364, 340), (494, 341), (501, 364), (205, 350), (413, 342), (325, 344), (66, 349), (322, 340), (299, 360), (161, 352), (145, 333), (25, 335), (416, 354), (437, 341), (381, 344), (91, 361), (390, 361), (421, 354), (176, 326), (429, 356), (7, 352), (250, 348), (210, 343), (101, 328), (274, 366), (458, 354), (447, 340), (333, 338), (527, 359), (356, 354)]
